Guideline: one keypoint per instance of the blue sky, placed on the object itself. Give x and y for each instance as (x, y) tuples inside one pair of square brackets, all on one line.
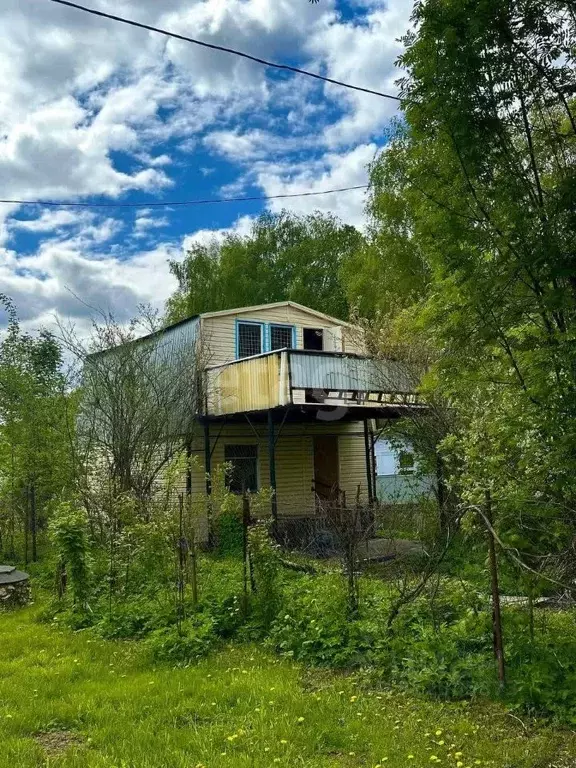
[(91, 110)]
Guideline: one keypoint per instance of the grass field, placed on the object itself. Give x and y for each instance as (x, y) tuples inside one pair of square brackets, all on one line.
[(72, 700)]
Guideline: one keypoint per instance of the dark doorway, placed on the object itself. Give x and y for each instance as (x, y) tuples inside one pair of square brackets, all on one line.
[(326, 475), (314, 338)]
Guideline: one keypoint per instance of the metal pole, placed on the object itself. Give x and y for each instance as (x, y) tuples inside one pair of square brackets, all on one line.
[(272, 463)]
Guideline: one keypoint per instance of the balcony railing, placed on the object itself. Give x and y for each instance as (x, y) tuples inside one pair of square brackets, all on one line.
[(290, 376)]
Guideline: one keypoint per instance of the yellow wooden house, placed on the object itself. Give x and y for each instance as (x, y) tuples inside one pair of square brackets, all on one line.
[(290, 401)]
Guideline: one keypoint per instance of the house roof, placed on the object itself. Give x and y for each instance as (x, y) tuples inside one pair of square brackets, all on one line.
[(294, 304)]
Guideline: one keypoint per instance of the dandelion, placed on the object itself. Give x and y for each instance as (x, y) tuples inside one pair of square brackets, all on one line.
[(410, 757), (441, 743), (300, 720), (457, 754), (283, 741), (438, 733), (352, 754), (353, 698)]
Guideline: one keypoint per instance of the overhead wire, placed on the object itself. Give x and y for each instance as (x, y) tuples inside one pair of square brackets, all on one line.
[(223, 48), (182, 203)]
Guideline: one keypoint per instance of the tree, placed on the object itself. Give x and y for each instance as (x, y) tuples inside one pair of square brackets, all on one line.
[(34, 409), (284, 257), (478, 189), (139, 398)]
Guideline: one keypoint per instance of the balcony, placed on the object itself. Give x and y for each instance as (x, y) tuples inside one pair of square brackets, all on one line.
[(309, 379)]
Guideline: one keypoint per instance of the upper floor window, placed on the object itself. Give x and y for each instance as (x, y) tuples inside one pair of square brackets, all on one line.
[(249, 339), (313, 338), (281, 336)]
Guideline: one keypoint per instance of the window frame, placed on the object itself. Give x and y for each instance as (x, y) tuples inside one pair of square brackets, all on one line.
[(256, 458), (237, 337), (280, 325)]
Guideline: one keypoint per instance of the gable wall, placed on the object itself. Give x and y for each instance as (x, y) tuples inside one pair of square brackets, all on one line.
[(219, 333)]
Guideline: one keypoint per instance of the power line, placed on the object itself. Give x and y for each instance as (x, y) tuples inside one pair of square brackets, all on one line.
[(181, 203), (215, 47)]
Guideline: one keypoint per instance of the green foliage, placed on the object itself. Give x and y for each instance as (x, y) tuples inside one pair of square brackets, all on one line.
[(241, 701), (181, 645), (36, 428), (69, 533), (228, 532), (264, 557), (295, 257)]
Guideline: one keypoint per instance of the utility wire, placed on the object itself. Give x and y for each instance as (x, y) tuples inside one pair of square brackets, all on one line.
[(181, 203), (215, 47)]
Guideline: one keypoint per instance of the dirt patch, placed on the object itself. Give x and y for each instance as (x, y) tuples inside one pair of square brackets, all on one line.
[(54, 743)]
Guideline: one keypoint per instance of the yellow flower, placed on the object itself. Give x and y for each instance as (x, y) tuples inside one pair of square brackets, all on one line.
[(353, 698), (352, 754), (441, 743), (300, 720), (438, 733), (457, 754), (410, 757), (459, 764), (283, 741)]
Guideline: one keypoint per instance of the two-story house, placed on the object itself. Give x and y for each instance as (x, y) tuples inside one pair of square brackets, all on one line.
[(289, 401)]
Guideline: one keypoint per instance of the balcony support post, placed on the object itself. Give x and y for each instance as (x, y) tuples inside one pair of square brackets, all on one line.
[(272, 464), (207, 457), (368, 455)]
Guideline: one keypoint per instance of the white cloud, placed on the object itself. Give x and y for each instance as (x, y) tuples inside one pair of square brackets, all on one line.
[(77, 91), (331, 171), (51, 220), (144, 222), (363, 54), (241, 227)]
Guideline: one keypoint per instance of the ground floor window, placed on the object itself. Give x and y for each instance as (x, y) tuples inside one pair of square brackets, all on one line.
[(244, 467)]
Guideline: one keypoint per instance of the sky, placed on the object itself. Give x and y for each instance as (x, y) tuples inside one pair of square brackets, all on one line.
[(95, 111)]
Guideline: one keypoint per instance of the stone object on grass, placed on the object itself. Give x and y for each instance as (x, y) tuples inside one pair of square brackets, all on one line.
[(14, 587)]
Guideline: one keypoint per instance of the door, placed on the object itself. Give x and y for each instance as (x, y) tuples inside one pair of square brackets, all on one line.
[(326, 461)]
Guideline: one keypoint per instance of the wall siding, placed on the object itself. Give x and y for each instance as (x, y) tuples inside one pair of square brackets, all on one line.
[(219, 333), (294, 461)]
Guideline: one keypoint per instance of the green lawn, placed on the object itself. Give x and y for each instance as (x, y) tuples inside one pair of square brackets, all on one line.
[(104, 706)]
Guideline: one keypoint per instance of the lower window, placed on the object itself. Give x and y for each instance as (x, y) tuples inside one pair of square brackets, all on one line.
[(243, 475)]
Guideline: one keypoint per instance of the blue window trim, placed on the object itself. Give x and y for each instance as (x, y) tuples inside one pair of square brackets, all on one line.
[(279, 325), (263, 335)]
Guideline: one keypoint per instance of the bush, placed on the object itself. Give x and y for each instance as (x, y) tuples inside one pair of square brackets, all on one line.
[(229, 533), (195, 638)]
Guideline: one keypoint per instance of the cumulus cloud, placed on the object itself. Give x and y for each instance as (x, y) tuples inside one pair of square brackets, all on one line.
[(92, 108)]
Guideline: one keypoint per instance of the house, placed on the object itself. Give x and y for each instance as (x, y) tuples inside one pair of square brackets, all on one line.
[(399, 479), (289, 399)]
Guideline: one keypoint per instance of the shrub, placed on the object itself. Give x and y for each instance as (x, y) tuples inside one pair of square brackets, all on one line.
[(194, 639), (69, 533)]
